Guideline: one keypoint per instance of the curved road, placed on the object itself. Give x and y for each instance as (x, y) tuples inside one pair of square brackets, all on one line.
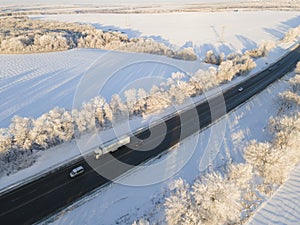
[(43, 197)]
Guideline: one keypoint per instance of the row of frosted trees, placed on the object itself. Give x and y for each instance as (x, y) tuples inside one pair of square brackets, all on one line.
[(24, 35), (261, 51)]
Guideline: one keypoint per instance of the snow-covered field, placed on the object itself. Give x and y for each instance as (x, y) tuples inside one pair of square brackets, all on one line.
[(220, 31), (33, 84)]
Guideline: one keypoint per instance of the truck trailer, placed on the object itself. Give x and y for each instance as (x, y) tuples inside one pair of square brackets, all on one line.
[(111, 146)]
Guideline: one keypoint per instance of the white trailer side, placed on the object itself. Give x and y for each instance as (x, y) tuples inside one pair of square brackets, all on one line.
[(111, 146)]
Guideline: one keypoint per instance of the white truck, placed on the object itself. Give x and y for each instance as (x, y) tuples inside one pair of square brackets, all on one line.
[(111, 146)]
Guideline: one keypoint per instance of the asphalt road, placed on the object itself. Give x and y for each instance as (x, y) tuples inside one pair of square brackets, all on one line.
[(45, 196)]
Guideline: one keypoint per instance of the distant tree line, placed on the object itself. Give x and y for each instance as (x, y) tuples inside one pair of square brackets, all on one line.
[(24, 35)]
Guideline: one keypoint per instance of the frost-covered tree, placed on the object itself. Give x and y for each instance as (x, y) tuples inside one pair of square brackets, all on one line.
[(52, 128), (258, 155), (39, 133), (131, 100), (108, 113), (63, 128), (85, 117), (227, 71), (5, 140), (291, 97), (119, 109), (217, 200), (282, 128), (20, 130), (212, 58), (267, 161), (242, 176), (98, 107), (262, 50), (179, 203), (204, 80), (142, 94)]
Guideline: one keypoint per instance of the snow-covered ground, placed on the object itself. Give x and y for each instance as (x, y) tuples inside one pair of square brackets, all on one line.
[(33, 84), (284, 206), (137, 194), (220, 31)]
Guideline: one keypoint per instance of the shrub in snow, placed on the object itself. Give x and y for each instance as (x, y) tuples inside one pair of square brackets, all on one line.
[(212, 58), (262, 50), (291, 97), (141, 222), (185, 54), (283, 127), (292, 34), (295, 82)]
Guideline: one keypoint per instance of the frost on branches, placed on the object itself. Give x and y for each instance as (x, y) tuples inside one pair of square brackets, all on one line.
[(24, 35), (213, 199)]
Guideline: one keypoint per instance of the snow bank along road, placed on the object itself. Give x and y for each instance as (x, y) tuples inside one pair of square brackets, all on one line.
[(40, 198), (284, 206)]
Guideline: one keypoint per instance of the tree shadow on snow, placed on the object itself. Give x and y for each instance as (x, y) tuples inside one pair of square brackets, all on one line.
[(129, 32), (217, 48), (275, 32), (246, 42), (283, 27), (133, 34)]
